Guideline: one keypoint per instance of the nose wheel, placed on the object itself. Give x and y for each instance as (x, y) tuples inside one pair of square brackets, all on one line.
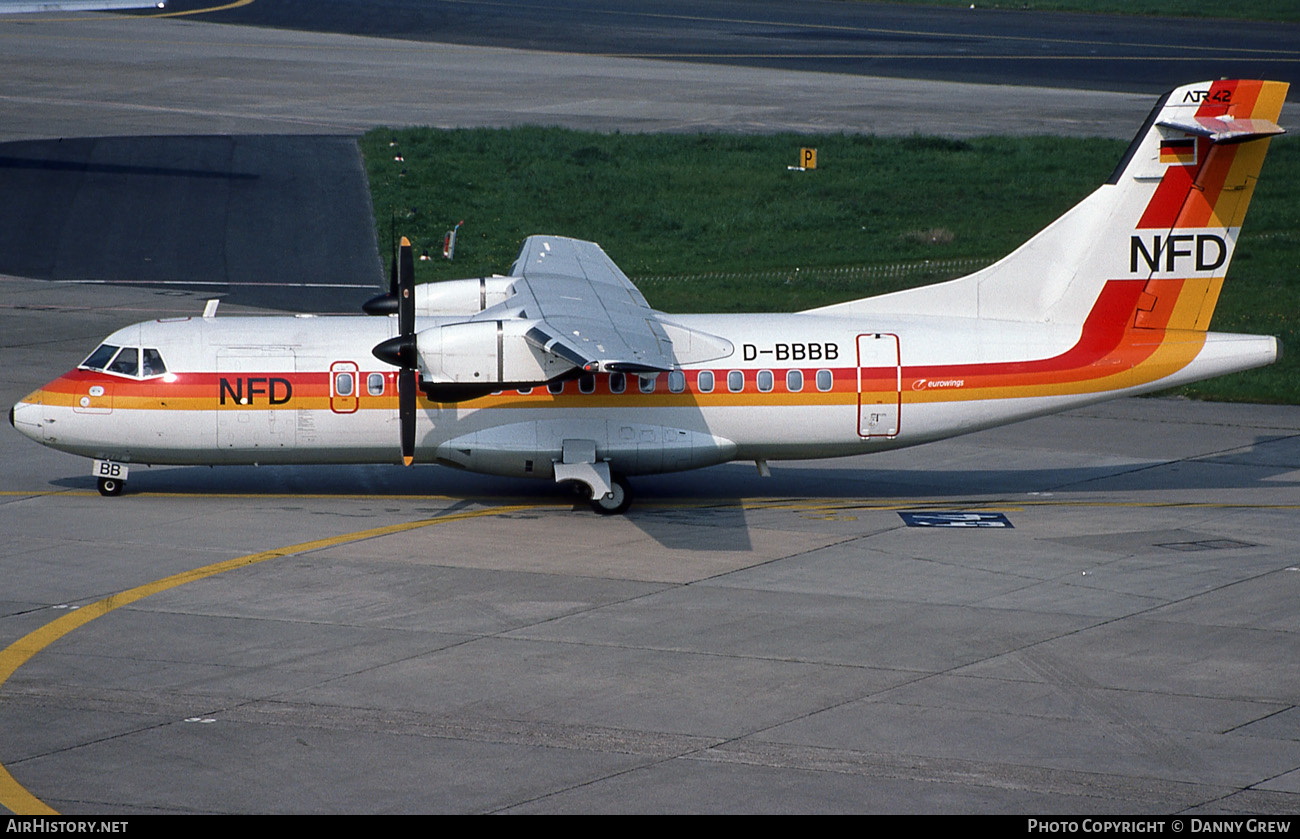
[(111, 486), (110, 476)]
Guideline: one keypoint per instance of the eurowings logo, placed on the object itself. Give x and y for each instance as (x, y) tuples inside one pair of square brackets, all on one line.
[(934, 384)]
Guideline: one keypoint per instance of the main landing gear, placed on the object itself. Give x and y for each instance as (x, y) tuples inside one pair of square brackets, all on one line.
[(613, 503), (618, 499)]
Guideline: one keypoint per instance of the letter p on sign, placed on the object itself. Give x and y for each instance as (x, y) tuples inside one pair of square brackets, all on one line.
[(808, 158)]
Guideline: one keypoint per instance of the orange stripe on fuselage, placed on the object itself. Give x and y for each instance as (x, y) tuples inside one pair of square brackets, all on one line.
[(1112, 351)]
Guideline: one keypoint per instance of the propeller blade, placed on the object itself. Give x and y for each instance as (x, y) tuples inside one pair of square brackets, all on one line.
[(386, 304), (402, 350), (405, 289), (407, 388), (381, 304)]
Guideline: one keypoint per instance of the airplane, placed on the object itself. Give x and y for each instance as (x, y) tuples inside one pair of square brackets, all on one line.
[(562, 371)]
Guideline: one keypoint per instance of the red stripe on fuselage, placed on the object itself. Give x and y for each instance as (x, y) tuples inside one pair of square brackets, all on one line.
[(1107, 342), (1106, 334)]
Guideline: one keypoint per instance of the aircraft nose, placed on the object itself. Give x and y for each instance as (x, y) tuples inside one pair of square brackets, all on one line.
[(26, 417)]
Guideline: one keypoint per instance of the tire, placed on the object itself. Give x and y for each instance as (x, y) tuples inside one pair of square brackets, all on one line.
[(111, 486), (617, 502)]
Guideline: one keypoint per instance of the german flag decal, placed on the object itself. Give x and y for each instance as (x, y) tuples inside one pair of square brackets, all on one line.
[(1178, 152)]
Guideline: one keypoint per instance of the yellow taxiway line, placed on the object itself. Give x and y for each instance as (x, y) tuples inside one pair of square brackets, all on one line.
[(14, 795)]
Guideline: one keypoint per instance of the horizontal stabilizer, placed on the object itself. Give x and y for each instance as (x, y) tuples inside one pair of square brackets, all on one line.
[(1224, 129)]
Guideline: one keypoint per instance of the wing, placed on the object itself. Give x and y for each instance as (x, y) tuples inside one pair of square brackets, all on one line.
[(565, 307), (585, 309)]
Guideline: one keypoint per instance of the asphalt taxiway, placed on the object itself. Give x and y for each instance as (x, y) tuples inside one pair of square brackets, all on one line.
[(954, 42), (378, 639)]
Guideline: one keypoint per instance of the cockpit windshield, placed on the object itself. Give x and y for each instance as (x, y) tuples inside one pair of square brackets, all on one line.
[(152, 363), (126, 361), (99, 359)]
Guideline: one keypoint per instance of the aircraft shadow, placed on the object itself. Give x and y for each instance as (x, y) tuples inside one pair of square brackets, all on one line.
[(672, 508)]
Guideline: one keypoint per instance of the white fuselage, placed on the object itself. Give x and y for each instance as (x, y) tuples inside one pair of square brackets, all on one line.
[(307, 390)]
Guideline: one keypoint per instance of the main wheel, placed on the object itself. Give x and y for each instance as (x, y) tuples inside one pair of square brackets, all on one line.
[(111, 486), (617, 501)]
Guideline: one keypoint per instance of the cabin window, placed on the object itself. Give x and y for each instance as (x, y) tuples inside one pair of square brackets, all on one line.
[(735, 381), (824, 380), (617, 382), (794, 380), (555, 388), (152, 362), (676, 381), (342, 384), (127, 362), (375, 384), (765, 381), (704, 381), (646, 383), (100, 357), (586, 383)]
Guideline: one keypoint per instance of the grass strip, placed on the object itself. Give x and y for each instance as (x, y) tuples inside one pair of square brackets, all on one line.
[(718, 223)]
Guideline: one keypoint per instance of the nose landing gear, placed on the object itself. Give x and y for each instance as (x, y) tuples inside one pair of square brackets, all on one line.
[(111, 486), (111, 476)]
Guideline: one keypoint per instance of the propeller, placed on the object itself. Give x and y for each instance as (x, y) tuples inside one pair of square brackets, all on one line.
[(402, 351), (387, 304)]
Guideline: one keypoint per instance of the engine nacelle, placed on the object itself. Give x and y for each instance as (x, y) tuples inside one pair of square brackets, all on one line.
[(461, 297), (486, 352)]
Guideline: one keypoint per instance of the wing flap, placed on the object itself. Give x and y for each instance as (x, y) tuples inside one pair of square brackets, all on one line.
[(588, 311)]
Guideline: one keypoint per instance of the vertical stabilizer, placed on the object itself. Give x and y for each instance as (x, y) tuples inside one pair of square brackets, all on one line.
[(1168, 217)]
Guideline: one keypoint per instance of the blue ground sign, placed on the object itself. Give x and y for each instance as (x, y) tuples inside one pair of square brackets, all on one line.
[(955, 519)]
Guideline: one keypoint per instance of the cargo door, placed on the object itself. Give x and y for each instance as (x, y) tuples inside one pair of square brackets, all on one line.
[(880, 396)]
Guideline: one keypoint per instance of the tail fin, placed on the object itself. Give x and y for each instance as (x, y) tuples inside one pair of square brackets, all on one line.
[(1169, 216)]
